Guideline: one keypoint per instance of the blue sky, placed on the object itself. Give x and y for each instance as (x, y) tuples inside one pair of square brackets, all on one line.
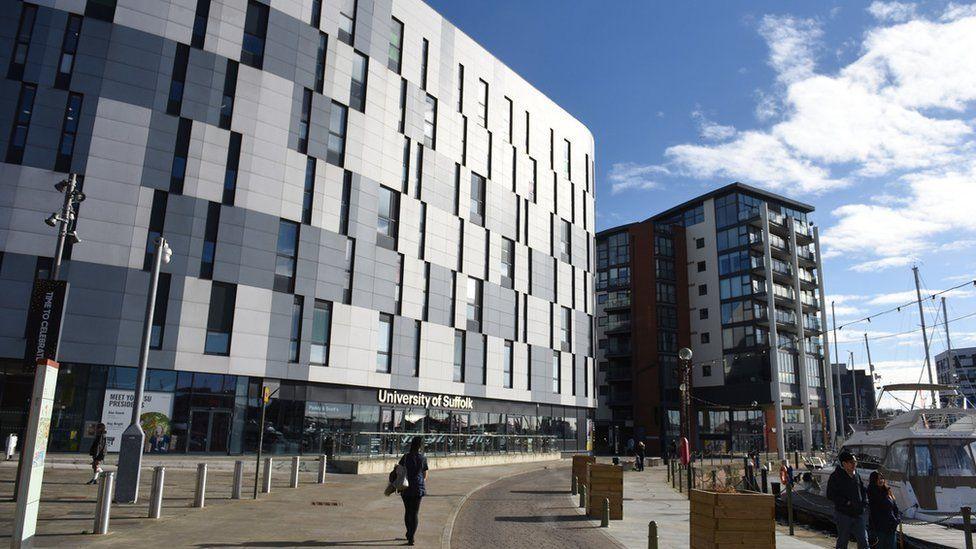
[(867, 110)]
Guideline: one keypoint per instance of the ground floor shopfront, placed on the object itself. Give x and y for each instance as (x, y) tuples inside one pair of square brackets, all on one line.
[(193, 412)]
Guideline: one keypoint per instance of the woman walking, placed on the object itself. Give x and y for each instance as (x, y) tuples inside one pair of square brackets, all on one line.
[(416, 466), (884, 514), (97, 452)]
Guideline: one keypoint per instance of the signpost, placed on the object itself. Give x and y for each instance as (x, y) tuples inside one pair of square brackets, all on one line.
[(266, 394)]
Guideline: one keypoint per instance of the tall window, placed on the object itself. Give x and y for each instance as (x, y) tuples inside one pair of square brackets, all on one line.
[(159, 312), (567, 159), (22, 118), (357, 86), (416, 348), (344, 202), (286, 256), (200, 23), (557, 374), (316, 19), (388, 215), (255, 32), (403, 105), (424, 58), (69, 47), (321, 326), (459, 337), (304, 120), (483, 103), (396, 46), (566, 332), (69, 130), (507, 366), (210, 241), (230, 89), (508, 263), (295, 340), (350, 265), (477, 199), (320, 62), (309, 190), (464, 140), (430, 122), (565, 241), (337, 134), (28, 13), (230, 172), (405, 160), (460, 88), (220, 320), (347, 21), (178, 170), (178, 80), (157, 218), (384, 357), (101, 9), (507, 121), (475, 295)]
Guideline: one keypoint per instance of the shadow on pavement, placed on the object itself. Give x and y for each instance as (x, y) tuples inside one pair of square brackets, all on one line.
[(310, 543), (539, 492), (548, 518)]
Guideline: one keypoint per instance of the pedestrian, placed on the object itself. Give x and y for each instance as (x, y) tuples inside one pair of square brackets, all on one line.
[(416, 465), (97, 452), (846, 490), (884, 514), (640, 456)]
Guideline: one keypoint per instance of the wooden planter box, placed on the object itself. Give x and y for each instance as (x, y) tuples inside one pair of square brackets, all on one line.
[(732, 521), (579, 467), (605, 481)]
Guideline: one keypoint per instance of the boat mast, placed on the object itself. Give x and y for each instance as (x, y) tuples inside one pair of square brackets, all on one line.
[(871, 366), (925, 335), (951, 365), (857, 404), (836, 373)]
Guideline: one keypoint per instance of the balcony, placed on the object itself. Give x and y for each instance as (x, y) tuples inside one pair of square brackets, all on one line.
[(613, 351), (619, 374), (617, 303), (618, 326)]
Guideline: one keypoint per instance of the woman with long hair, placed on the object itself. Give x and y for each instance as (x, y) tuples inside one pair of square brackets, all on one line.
[(416, 466), (97, 452), (884, 514)]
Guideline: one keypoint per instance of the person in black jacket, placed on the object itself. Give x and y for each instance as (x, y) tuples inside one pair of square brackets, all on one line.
[(884, 514), (416, 465), (846, 490), (97, 452), (639, 452)]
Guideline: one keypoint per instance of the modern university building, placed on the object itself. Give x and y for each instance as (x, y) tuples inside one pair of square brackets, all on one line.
[(369, 214)]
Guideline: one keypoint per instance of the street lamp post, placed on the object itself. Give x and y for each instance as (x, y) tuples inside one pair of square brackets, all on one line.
[(130, 451), (685, 355), (63, 219)]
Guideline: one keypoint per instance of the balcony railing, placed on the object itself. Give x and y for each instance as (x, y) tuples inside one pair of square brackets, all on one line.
[(617, 302), (618, 325), (380, 445)]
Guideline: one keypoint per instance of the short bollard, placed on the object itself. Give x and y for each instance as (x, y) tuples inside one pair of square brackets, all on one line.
[(967, 525), (322, 463), (199, 499), (156, 497), (681, 482), (295, 463), (652, 535), (605, 517), (235, 489), (266, 485), (575, 487), (765, 479), (104, 509), (582, 495)]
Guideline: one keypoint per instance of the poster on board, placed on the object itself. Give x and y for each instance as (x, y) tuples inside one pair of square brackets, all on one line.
[(157, 409)]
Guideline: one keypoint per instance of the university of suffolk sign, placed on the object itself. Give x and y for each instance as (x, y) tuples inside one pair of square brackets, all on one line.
[(423, 400)]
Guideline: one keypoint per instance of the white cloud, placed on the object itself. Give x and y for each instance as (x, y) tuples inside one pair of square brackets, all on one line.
[(793, 44), (882, 264), (630, 176), (892, 11), (955, 11), (710, 130)]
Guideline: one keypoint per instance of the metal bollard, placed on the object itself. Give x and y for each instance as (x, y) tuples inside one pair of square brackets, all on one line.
[(266, 485), (582, 495), (764, 474), (605, 519), (575, 486), (104, 505), (652, 535), (295, 463), (156, 496), (322, 463), (681, 480), (199, 499), (235, 489), (967, 525)]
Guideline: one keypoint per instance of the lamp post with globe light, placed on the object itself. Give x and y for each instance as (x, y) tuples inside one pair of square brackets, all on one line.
[(685, 355)]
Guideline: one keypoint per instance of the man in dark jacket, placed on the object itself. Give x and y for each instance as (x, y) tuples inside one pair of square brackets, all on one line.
[(846, 490)]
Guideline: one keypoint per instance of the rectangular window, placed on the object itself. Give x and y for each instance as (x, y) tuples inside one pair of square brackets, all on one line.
[(321, 326), (557, 374), (464, 140), (398, 285), (101, 9), (295, 340), (308, 191), (388, 216), (430, 122), (703, 314), (534, 191), (699, 243), (25, 29), (459, 337), (396, 46), (357, 87), (350, 267), (507, 365), (508, 263), (304, 120), (337, 134), (418, 171), (416, 348), (344, 202), (703, 289), (286, 256), (383, 355), (475, 295), (568, 159), (483, 103), (316, 19), (255, 32), (405, 161), (69, 131), (424, 55), (22, 118), (230, 172), (177, 82), (69, 48), (157, 218), (460, 88), (705, 338), (178, 170), (159, 312), (403, 105), (210, 241), (220, 320), (701, 266), (477, 209), (200, 23), (566, 333), (347, 21), (507, 122), (320, 62), (230, 90), (565, 241)]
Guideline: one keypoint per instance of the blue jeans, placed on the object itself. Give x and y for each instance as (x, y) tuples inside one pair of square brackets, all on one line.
[(848, 526), (886, 540)]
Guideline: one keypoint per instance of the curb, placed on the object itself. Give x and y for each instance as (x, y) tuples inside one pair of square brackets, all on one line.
[(448, 531), (593, 522)]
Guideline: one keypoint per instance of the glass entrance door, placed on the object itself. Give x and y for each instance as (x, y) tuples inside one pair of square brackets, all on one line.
[(209, 430)]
